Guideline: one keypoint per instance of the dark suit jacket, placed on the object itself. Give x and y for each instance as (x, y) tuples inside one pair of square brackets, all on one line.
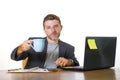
[(37, 59)]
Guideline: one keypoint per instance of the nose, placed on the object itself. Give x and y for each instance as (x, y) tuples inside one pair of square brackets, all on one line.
[(53, 29)]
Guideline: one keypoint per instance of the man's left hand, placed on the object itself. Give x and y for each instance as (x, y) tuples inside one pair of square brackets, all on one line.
[(63, 62)]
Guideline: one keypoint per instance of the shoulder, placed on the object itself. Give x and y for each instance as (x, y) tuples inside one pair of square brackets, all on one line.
[(37, 38), (62, 43)]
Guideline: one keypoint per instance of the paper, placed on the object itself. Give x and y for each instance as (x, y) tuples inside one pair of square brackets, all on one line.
[(92, 44), (35, 69)]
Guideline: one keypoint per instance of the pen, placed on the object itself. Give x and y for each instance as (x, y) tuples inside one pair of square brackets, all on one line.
[(14, 69)]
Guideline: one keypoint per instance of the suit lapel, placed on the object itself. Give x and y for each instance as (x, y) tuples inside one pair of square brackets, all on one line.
[(61, 49)]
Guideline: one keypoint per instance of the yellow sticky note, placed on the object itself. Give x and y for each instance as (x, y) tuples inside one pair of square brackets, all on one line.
[(92, 44)]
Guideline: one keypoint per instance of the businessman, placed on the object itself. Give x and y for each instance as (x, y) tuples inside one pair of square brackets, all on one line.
[(56, 53)]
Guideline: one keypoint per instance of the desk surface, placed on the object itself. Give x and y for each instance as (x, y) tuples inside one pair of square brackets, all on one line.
[(104, 74)]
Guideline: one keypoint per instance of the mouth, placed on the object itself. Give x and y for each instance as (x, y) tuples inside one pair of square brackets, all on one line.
[(53, 36)]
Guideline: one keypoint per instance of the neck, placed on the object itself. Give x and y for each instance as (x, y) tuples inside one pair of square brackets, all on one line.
[(52, 41)]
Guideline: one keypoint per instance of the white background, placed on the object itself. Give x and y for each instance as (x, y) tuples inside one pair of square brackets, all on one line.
[(20, 19)]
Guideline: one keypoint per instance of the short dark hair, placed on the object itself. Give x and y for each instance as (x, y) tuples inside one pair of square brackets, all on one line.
[(51, 17)]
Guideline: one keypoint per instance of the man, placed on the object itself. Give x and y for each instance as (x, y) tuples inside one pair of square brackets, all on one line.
[(56, 52)]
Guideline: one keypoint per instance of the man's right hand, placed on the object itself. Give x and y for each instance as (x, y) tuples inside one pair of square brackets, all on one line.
[(26, 45)]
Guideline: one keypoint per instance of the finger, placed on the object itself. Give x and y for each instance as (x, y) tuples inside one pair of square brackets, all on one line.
[(60, 62), (26, 46), (29, 41)]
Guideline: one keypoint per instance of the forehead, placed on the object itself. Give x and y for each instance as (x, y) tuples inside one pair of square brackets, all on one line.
[(51, 22)]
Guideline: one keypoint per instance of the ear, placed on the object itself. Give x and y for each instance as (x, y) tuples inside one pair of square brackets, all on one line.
[(44, 30), (61, 27)]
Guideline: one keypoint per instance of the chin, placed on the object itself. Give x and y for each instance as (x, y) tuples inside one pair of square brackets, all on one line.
[(54, 39)]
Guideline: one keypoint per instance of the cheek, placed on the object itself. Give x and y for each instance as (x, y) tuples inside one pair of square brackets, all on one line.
[(47, 31), (58, 31)]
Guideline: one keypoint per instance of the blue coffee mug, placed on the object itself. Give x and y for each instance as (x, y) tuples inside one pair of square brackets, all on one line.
[(38, 44)]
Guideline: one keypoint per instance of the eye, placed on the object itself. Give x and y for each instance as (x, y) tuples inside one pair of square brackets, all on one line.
[(47, 27), (55, 25)]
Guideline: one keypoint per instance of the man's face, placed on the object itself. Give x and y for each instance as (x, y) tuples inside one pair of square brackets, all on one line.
[(52, 29)]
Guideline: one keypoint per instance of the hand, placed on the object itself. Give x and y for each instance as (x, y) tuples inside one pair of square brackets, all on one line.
[(26, 45), (63, 62)]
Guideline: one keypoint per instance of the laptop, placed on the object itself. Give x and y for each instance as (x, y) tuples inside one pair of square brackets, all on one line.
[(99, 53)]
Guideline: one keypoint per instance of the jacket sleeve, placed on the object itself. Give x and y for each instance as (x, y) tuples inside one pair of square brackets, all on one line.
[(17, 57), (71, 55), (67, 51)]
